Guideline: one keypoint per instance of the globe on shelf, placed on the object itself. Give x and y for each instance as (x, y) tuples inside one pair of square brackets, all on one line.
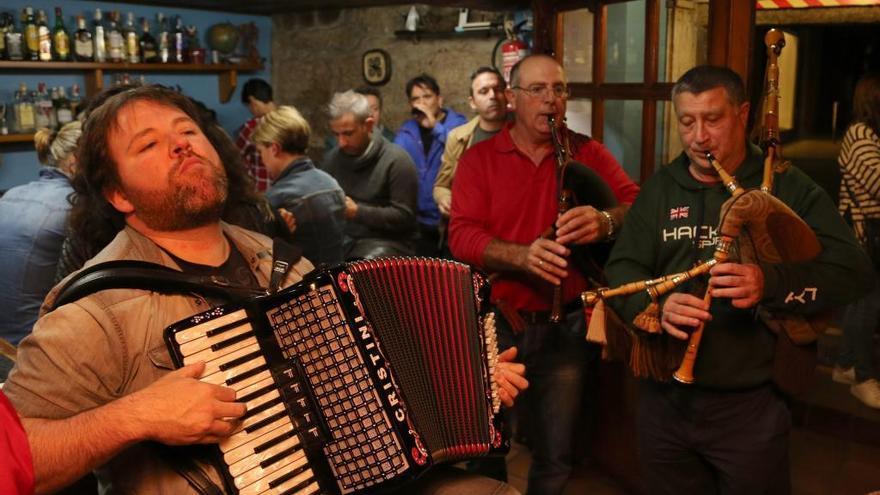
[(223, 38)]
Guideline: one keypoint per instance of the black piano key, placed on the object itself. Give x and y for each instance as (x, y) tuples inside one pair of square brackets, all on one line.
[(296, 489), (247, 374), (273, 442), (281, 455), (262, 407), (226, 327), (233, 340), (256, 393), (241, 360), (256, 426), (288, 475)]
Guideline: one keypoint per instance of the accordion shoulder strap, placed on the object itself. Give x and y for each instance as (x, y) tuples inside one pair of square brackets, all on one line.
[(129, 274)]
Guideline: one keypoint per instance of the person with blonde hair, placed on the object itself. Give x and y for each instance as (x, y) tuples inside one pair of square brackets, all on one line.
[(33, 217), (311, 195)]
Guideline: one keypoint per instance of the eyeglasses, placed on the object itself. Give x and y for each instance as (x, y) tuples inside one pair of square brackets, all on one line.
[(558, 91)]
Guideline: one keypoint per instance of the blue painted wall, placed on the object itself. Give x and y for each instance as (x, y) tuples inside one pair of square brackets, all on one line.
[(18, 163)]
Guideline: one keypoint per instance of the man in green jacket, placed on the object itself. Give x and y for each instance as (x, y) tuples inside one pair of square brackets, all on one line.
[(728, 432)]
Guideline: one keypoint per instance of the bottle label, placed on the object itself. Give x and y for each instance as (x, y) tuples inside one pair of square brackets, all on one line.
[(32, 38), (65, 115), (62, 45), (26, 117), (131, 48), (45, 43), (115, 50), (84, 48), (13, 46)]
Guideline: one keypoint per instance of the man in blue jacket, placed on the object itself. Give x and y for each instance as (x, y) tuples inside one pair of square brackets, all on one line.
[(424, 138)]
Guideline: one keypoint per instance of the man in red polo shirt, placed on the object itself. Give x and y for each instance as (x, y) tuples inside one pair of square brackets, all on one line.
[(504, 197)]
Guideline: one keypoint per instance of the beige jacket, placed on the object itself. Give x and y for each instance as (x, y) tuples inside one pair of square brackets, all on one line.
[(109, 344), (458, 140)]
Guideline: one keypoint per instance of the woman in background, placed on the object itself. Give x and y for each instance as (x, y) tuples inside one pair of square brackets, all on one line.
[(33, 219), (859, 162)]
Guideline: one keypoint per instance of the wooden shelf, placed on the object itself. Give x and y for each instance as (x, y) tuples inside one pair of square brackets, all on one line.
[(16, 138), (445, 35), (227, 74)]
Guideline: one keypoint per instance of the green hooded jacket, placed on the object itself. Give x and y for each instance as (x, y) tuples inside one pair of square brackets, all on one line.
[(673, 225)]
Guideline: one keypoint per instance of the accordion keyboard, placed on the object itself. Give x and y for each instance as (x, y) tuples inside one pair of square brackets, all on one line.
[(362, 448), (264, 456)]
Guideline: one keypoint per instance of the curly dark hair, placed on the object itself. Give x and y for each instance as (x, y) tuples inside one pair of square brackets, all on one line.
[(93, 220)]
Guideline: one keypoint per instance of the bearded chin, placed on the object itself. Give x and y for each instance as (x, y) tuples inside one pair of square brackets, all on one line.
[(184, 206)]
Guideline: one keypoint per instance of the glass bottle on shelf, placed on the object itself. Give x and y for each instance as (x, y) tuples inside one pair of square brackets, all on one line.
[(132, 47), (60, 38), (98, 36), (149, 48), (44, 36), (164, 38), (14, 42), (83, 46), (31, 36), (25, 118), (178, 45), (62, 106), (115, 42), (75, 100), (43, 107), (4, 26)]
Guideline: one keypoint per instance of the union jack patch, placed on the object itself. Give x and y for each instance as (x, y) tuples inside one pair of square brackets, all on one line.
[(680, 212)]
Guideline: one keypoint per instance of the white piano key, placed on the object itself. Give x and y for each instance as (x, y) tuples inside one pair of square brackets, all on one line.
[(255, 459), (213, 366), (203, 345), (221, 377), (292, 482), (197, 331), (247, 443), (241, 439), (257, 479)]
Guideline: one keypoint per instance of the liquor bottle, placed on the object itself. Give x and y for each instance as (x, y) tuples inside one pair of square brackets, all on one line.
[(45, 115), (115, 42), (83, 46), (132, 48), (60, 38), (44, 36), (75, 100), (14, 43), (149, 48), (31, 37), (98, 36), (24, 111), (62, 106), (164, 38), (178, 43), (4, 26)]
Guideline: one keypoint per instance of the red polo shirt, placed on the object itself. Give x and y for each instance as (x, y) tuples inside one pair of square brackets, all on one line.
[(16, 466), (498, 192)]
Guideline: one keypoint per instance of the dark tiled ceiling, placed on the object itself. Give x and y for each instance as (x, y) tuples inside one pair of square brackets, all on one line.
[(268, 7)]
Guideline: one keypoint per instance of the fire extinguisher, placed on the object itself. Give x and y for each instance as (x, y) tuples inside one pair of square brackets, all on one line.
[(513, 49)]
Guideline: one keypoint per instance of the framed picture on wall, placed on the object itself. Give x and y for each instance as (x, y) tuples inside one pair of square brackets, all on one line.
[(377, 67)]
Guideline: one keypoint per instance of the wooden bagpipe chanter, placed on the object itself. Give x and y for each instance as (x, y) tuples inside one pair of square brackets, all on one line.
[(753, 227)]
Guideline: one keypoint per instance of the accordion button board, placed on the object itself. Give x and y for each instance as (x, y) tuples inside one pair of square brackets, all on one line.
[(327, 412)]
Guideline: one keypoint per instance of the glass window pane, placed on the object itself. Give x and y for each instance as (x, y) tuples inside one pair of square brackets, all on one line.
[(625, 42), (684, 41), (579, 115), (668, 142), (623, 134), (577, 45)]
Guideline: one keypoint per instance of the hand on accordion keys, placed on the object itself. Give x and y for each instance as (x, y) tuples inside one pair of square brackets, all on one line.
[(178, 409), (510, 377)]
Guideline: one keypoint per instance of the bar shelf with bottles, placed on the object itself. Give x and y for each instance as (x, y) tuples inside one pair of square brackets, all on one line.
[(111, 47)]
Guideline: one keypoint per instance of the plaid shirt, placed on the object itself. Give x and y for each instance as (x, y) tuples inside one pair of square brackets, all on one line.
[(250, 156)]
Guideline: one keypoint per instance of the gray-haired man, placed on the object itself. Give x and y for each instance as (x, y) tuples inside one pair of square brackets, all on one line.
[(379, 180)]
